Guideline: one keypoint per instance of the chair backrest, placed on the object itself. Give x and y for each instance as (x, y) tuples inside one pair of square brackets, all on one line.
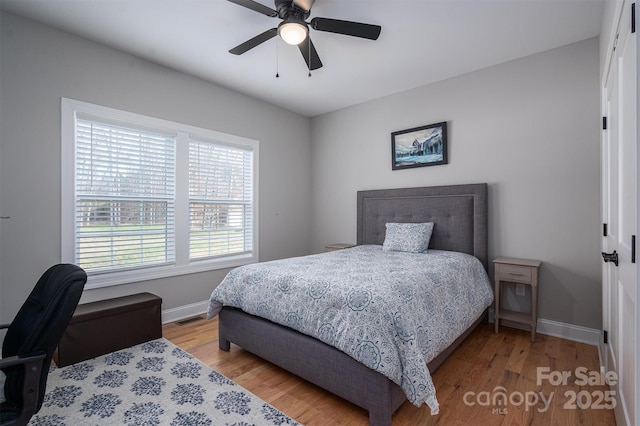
[(40, 324)]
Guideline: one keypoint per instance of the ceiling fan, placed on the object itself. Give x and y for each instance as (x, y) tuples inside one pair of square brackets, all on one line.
[(294, 29)]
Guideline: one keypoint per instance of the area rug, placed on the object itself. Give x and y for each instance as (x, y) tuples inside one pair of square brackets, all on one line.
[(155, 383)]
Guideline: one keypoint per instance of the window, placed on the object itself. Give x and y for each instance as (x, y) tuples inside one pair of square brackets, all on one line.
[(145, 198), (220, 194), (125, 197)]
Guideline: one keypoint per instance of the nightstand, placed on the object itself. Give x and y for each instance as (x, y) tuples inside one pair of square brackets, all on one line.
[(520, 271), (338, 246)]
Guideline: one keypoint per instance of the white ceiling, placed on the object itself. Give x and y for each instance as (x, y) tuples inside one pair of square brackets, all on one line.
[(422, 41)]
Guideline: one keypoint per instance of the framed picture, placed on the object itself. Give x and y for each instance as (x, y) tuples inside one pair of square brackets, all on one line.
[(419, 147)]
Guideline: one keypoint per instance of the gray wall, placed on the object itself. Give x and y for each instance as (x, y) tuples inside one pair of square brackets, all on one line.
[(39, 65), (529, 128)]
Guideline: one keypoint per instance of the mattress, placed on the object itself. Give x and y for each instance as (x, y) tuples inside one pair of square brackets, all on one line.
[(392, 311)]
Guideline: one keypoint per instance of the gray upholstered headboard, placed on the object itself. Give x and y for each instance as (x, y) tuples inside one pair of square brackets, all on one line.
[(458, 211)]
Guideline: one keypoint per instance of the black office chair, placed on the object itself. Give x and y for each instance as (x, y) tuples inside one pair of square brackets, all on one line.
[(32, 339)]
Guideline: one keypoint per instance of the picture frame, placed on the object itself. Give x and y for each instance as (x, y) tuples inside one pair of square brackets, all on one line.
[(419, 147)]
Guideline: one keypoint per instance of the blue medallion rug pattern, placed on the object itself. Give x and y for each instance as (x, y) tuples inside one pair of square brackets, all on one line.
[(154, 383)]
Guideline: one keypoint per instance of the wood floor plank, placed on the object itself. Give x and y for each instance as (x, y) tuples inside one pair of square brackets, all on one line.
[(519, 353), (483, 363)]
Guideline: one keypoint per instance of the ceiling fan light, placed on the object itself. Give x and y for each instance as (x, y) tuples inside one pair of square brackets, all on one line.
[(293, 32)]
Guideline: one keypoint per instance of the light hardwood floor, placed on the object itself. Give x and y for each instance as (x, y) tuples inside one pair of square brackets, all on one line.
[(483, 363)]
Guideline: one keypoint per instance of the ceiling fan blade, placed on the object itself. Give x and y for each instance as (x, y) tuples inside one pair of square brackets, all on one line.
[(250, 44), (355, 29), (307, 48), (257, 7), (304, 4)]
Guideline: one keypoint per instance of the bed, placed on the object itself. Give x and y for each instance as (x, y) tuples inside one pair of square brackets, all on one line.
[(459, 214)]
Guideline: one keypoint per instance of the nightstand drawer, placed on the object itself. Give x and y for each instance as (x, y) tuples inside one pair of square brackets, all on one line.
[(515, 273)]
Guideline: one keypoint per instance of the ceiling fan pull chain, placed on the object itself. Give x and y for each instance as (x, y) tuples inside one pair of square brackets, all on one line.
[(309, 44), (277, 60)]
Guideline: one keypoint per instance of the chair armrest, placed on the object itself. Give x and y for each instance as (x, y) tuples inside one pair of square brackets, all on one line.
[(32, 365), (4, 326), (27, 360)]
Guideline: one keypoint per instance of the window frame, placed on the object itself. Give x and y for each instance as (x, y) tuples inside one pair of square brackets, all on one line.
[(70, 109)]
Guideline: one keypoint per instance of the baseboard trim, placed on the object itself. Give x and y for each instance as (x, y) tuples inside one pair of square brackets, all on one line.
[(577, 333), (186, 311), (601, 349)]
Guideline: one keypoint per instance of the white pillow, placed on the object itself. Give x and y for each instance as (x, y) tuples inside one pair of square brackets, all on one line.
[(407, 237)]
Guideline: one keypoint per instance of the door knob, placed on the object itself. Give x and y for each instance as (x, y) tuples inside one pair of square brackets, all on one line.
[(611, 257)]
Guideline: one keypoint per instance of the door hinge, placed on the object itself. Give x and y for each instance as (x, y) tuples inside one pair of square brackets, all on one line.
[(633, 18), (604, 230), (605, 336), (604, 123), (633, 249)]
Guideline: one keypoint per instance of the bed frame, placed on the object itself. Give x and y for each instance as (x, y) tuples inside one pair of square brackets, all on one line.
[(460, 216)]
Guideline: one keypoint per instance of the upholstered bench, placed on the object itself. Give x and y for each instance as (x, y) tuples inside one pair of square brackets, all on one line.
[(105, 326)]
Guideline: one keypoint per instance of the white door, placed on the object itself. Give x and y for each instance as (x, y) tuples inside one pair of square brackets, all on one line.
[(619, 210)]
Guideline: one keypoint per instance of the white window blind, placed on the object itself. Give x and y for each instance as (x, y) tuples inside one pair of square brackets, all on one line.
[(125, 191), (146, 198), (220, 200)]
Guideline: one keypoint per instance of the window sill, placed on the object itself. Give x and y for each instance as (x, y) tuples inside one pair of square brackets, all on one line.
[(127, 277)]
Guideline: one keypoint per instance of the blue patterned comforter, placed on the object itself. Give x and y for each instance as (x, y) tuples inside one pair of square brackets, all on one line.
[(392, 311)]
